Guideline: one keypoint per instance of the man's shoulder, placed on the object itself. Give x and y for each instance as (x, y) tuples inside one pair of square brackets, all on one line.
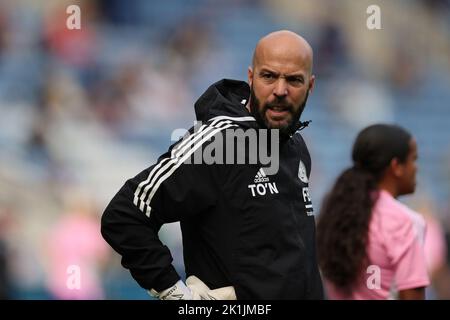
[(300, 143), (299, 138)]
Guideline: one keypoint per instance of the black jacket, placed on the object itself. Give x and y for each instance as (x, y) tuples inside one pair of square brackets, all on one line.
[(240, 227)]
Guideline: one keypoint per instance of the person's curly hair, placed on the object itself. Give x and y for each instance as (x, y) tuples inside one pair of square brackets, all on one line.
[(343, 224)]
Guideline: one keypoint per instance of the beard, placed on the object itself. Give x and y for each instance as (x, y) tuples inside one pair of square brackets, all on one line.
[(259, 112)]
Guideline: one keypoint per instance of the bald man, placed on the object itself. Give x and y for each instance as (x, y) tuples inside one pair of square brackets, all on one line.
[(280, 79), (247, 219)]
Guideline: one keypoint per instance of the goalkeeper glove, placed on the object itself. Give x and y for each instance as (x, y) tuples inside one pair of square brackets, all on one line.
[(194, 289), (178, 291)]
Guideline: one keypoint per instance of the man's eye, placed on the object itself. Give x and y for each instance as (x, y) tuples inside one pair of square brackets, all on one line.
[(267, 76), (296, 80)]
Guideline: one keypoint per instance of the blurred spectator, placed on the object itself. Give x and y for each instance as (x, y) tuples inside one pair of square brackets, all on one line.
[(3, 33), (76, 253), (108, 101), (436, 5), (4, 273), (405, 74), (435, 248), (331, 50), (119, 12), (437, 260), (359, 102), (75, 47), (37, 147), (5, 256)]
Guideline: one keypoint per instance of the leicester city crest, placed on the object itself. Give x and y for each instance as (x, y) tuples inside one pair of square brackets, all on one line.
[(302, 172)]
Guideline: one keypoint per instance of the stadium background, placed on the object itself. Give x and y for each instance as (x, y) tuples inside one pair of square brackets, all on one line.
[(83, 110)]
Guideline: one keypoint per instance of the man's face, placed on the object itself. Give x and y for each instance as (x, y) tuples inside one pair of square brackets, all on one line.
[(269, 114), (279, 90), (407, 181)]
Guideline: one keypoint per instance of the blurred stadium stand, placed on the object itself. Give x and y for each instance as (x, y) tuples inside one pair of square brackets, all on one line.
[(83, 110)]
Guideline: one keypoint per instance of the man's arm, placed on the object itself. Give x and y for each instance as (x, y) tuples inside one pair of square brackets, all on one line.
[(412, 294), (135, 237), (169, 191)]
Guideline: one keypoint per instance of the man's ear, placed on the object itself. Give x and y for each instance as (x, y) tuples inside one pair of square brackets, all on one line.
[(250, 75), (312, 81), (397, 168)]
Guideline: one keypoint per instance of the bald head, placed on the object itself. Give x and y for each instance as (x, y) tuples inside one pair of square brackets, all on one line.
[(280, 80), (283, 47)]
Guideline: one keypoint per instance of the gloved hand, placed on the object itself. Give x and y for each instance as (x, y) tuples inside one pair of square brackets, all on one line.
[(202, 292), (178, 291), (194, 289)]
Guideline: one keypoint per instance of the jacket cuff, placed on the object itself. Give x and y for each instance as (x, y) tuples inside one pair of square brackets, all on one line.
[(166, 280)]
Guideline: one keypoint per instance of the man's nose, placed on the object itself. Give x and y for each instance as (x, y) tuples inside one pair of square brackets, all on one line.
[(281, 89)]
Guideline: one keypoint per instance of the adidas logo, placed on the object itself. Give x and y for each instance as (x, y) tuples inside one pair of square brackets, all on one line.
[(261, 176), (262, 185)]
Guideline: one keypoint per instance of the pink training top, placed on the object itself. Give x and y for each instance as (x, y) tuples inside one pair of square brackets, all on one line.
[(76, 251), (395, 251)]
